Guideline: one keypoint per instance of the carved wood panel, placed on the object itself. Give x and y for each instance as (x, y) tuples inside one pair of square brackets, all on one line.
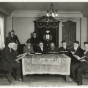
[(69, 32)]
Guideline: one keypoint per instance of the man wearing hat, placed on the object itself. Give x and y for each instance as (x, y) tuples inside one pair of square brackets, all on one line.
[(9, 59), (64, 49), (76, 51), (82, 66)]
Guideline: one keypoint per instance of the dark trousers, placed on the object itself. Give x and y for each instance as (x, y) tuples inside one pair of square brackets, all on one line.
[(82, 68), (77, 71), (71, 75), (74, 69), (17, 66)]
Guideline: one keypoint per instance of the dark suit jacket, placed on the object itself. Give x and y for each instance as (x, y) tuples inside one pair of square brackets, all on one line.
[(66, 51), (78, 52), (40, 51), (86, 57), (8, 39), (7, 58), (34, 40), (15, 39), (54, 50)]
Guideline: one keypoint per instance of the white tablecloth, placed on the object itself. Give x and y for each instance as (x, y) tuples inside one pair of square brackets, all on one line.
[(46, 64)]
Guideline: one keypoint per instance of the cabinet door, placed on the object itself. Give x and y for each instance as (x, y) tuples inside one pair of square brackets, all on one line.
[(69, 32)]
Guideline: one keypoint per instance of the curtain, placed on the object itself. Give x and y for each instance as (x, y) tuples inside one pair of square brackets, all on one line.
[(2, 45)]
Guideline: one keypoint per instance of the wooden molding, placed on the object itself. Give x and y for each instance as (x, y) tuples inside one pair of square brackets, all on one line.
[(37, 13)]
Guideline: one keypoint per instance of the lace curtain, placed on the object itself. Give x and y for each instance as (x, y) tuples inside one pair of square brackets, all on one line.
[(2, 45)]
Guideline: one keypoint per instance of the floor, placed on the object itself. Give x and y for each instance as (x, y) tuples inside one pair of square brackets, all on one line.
[(42, 80)]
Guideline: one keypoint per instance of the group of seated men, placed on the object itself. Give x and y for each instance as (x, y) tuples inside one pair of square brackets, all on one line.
[(79, 57)]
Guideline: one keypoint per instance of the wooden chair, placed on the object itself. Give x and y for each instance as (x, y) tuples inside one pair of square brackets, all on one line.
[(6, 74), (86, 73)]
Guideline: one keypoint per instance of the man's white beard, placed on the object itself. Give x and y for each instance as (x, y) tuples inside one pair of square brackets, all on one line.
[(64, 47), (76, 48)]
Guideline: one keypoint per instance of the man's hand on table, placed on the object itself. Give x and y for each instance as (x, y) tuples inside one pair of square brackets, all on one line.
[(21, 55)]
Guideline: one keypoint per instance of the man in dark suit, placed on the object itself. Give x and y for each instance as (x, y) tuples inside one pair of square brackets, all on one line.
[(52, 48), (64, 49), (41, 48), (8, 39), (76, 51), (34, 41), (14, 37), (83, 65), (9, 59)]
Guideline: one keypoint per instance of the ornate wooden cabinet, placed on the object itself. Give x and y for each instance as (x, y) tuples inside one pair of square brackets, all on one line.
[(47, 29)]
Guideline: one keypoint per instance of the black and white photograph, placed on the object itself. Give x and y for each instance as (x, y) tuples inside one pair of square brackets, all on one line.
[(43, 43)]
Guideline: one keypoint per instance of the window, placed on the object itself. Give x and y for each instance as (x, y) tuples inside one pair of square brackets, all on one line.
[(2, 33)]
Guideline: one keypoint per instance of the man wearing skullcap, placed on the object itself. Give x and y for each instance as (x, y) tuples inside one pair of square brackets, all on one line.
[(83, 65), (64, 49), (9, 59)]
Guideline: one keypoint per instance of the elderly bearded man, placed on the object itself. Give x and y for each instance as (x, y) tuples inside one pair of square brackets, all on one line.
[(76, 52), (9, 59), (82, 66)]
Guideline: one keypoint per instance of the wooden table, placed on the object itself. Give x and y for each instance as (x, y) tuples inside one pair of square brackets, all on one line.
[(46, 64)]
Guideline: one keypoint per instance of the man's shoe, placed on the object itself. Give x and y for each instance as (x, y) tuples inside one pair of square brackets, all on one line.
[(19, 79), (75, 80), (70, 79), (79, 83)]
